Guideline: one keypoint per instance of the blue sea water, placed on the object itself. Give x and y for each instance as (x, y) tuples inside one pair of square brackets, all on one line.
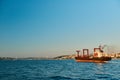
[(58, 70)]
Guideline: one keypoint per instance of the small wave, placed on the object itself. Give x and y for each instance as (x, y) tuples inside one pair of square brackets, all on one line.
[(104, 77), (60, 77), (67, 78)]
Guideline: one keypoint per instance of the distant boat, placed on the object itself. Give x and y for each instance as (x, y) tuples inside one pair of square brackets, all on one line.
[(98, 56)]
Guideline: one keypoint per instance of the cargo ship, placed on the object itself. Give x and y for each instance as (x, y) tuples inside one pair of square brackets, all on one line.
[(98, 56)]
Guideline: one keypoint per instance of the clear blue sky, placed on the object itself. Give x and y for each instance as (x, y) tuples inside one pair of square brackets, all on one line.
[(57, 27)]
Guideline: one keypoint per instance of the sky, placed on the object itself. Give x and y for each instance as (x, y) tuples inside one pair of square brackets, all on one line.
[(48, 28)]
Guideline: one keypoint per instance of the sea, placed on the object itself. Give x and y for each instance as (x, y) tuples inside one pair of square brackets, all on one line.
[(58, 70)]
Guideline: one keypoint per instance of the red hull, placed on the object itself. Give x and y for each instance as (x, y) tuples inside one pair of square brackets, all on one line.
[(94, 61)]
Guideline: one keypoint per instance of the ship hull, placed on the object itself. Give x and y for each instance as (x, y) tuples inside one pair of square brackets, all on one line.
[(95, 60)]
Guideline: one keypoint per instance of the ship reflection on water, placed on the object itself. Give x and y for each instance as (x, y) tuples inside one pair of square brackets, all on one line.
[(102, 71)]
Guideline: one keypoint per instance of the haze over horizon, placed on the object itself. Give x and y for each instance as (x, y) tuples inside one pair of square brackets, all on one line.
[(57, 27)]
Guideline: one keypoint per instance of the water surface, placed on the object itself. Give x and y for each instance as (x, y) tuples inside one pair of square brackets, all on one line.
[(58, 70)]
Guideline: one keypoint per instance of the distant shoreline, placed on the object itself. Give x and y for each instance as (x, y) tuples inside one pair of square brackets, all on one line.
[(62, 57)]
